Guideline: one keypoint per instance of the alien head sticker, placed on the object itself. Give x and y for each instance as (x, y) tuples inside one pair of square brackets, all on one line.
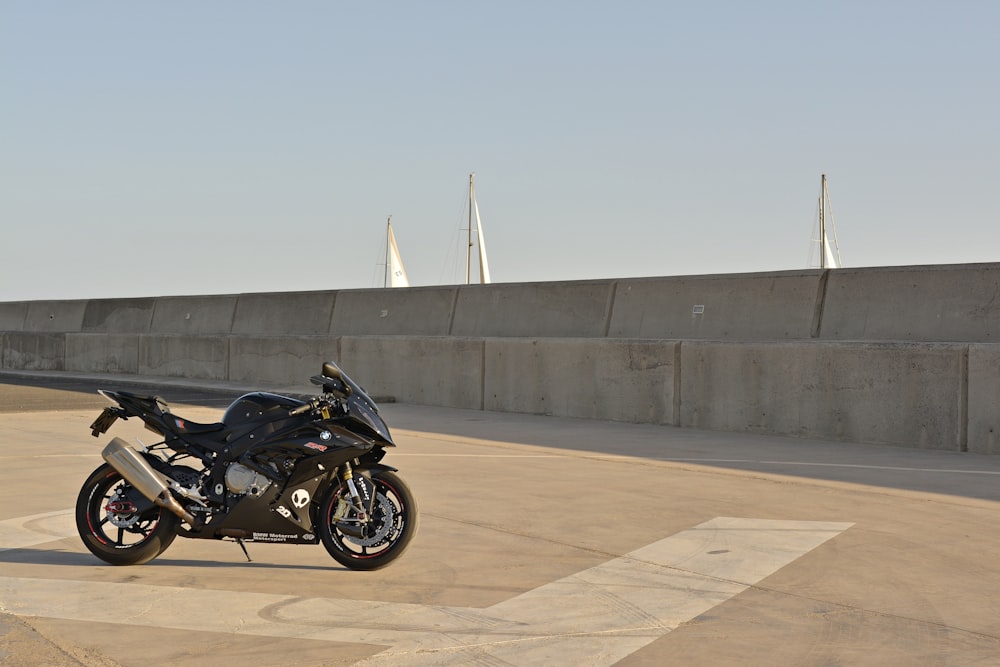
[(300, 498)]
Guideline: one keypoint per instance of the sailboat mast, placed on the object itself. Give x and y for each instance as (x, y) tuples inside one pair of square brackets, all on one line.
[(388, 229), (829, 249), (822, 222), (468, 250)]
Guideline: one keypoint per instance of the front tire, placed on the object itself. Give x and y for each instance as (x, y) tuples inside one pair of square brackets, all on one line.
[(118, 524), (383, 538)]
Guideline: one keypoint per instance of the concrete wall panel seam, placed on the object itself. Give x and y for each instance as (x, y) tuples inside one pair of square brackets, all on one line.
[(482, 377), (232, 315), (152, 318), (963, 402), (817, 326), (451, 315), (678, 371), (333, 311), (612, 293)]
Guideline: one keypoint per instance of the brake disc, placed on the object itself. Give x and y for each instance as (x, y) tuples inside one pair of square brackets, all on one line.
[(386, 512), (122, 513)]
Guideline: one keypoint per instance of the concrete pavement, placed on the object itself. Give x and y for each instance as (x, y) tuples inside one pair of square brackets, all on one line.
[(543, 541)]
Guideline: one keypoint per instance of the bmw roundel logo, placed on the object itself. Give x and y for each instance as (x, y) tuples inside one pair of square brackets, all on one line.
[(325, 435)]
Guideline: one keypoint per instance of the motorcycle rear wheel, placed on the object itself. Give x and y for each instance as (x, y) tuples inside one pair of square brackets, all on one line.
[(117, 524), (386, 535)]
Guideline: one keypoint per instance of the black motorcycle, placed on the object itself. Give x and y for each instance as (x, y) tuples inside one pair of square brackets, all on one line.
[(275, 469)]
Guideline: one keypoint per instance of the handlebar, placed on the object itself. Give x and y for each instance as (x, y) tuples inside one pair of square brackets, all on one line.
[(317, 403), (305, 407)]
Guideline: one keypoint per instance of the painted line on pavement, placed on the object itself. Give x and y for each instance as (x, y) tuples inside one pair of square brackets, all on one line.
[(483, 456), (595, 617), (830, 465), (28, 531)]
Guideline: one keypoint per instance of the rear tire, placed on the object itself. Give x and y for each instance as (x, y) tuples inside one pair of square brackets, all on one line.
[(118, 524), (387, 534)]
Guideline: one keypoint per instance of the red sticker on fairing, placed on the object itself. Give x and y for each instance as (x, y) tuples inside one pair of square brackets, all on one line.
[(318, 448)]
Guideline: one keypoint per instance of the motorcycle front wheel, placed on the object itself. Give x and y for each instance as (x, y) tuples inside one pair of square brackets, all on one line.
[(117, 524), (377, 542)]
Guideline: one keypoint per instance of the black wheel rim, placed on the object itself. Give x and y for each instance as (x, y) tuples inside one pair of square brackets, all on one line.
[(114, 520), (385, 528)]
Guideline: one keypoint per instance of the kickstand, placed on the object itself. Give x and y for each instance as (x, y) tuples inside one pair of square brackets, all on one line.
[(244, 547)]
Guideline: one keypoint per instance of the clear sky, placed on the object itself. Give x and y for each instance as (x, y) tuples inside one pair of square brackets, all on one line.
[(153, 148)]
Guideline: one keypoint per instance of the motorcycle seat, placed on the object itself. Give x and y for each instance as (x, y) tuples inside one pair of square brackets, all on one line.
[(188, 427), (157, 405)]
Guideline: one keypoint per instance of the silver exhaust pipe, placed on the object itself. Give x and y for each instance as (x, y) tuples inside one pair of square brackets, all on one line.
[(147, 481)]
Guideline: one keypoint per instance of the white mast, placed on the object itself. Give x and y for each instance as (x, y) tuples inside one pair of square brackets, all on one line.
[(829, 254), (395, 273), (484, 265)]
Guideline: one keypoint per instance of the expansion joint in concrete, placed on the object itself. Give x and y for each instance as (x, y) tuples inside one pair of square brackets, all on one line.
[(817, 323), (609, 310), (963, 402)]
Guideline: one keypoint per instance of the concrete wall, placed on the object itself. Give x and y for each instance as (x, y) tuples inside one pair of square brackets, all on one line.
[(54, 316), (626, 380), (900, 355), (278, 361), (287, 314), (936, 303), (102, 353), (198, 357), (12, 315), (571, 309), (894, 393), (423, 370), (194, 315), (34, 351), (768, 306), (417, 311), (118, 315), (983, 397)]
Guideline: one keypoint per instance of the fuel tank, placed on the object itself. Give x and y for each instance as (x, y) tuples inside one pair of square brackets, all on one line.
[(258, 406)]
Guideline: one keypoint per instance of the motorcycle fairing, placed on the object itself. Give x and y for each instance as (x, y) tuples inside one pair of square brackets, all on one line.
[(151, 409), (361, 409), (255, 518), (362, 413), (289, 502), (256, 407)]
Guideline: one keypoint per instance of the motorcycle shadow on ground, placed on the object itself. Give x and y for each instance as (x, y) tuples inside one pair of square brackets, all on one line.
[(34, 556)]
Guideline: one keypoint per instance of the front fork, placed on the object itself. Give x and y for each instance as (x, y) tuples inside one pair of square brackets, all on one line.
[(356, 503)]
